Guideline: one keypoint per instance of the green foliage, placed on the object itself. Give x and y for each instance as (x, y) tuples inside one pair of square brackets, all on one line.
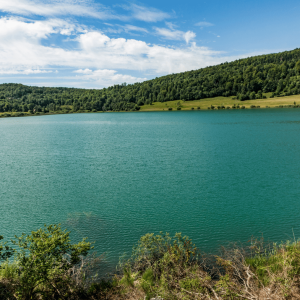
[(148, 283), (152, 249), (9, 270), (5, 251), (226, 288), (161, 262), (128, 278), (282, 257), (160, 266), (43, 260)]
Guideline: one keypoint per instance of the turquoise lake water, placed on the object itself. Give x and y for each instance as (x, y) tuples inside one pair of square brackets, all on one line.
[(216, 176)]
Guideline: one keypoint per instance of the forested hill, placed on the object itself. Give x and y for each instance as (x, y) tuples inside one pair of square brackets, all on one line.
[(245, 79)]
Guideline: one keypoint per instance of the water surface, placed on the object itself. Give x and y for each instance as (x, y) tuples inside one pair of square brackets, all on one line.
[(216, 176)]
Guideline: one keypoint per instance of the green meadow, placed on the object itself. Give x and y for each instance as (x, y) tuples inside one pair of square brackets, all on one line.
[(205, 104)]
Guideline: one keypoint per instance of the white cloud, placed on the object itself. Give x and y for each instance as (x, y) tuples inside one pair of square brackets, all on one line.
[(57, 8), (22, 48), (172, 34), (125, 28), (146, 14), (23, 72), (204, 24), (16, 29), (106, 77), (54, 8), (85, 71), (128, 28), (189, 35), (21, 45), (171, 25)]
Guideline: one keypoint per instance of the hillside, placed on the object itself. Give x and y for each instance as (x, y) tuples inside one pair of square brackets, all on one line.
[(245, 79)]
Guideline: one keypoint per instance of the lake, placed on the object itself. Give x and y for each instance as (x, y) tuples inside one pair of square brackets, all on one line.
[(216, 176)]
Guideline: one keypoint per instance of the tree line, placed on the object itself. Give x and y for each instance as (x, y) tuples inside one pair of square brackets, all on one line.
[(244, 79)]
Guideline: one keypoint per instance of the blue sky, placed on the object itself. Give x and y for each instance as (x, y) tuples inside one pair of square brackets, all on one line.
[(95, 44)]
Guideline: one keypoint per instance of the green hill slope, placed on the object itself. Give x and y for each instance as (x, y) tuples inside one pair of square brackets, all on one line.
[(277, 74)]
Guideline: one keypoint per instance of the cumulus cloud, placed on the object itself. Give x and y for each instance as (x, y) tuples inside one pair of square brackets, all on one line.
[(95, 56)]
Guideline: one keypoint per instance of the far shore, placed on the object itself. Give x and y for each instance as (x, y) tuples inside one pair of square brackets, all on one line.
[(217, 103)]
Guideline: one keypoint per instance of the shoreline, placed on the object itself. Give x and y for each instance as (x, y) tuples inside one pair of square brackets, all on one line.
[(18, 114), (218, 103)]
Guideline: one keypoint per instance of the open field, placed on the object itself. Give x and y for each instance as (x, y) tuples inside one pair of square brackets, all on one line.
[(225, 101)]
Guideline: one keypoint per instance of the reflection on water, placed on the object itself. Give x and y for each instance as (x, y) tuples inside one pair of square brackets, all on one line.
[(85, 224), (89, 225)]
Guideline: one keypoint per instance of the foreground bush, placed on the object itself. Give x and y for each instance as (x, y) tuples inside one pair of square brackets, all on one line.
[(173, 268), (47, 266)]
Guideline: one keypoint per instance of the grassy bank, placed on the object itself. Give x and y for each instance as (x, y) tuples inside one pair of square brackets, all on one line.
[(47, 266), (204, 104)]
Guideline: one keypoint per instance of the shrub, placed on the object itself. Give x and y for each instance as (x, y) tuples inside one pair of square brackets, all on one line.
[(44, 260), (178, 108), (192, 108), (168, 266), (161, 267), (170, 108)]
